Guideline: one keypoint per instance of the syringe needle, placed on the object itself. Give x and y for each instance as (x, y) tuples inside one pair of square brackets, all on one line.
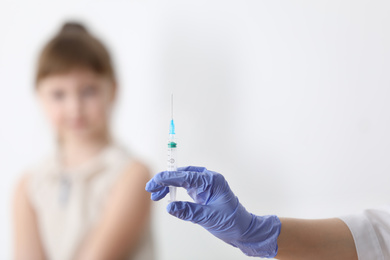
[(172, 105)]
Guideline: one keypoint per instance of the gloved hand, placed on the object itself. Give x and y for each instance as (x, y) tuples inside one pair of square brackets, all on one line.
[(218, 210)]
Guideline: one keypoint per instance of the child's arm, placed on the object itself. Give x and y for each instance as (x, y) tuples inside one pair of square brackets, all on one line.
[(123, 220), (27, 242)]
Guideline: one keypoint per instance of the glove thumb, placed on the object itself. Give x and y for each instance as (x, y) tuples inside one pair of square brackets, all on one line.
[(187, 211)]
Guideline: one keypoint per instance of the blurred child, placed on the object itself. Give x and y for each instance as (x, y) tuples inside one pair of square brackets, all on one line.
[(87, 200)]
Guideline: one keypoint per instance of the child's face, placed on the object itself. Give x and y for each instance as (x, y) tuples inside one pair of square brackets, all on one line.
[(77, 103)]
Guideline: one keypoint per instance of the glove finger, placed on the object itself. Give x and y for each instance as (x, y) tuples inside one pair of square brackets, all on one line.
[(158, 195), (191, 169), (189, 211), (186, 179), (158, 191), (153, 186)]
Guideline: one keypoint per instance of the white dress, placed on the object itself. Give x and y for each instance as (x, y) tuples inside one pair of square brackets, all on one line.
[(69, 203), (371, 233)]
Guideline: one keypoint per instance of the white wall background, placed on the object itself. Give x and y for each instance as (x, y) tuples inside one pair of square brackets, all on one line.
[(288, 99)]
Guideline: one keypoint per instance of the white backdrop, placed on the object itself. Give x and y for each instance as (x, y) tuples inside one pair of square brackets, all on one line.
[(288, 99)]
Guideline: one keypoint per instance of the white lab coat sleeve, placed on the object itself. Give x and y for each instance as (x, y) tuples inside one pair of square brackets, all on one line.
[(371, 233)]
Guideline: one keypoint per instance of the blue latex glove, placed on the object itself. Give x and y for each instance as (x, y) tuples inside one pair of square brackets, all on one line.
[(218, 210)]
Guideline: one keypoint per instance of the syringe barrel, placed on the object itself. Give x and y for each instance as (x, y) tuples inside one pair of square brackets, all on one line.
[(172, 162), (172, 154)]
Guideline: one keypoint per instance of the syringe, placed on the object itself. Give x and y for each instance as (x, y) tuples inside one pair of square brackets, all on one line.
[(172, 152)]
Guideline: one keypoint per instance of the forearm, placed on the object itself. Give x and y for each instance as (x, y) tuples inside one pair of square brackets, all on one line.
[(315, 239)]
